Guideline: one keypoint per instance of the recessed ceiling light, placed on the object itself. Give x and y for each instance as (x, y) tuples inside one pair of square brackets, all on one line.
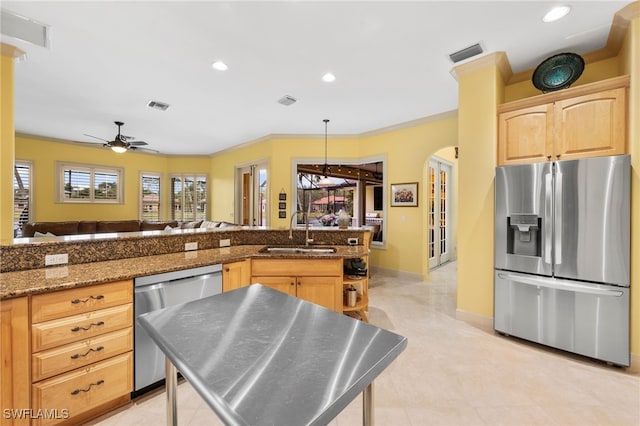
[(220, 66), (556, 13), (328, 77)]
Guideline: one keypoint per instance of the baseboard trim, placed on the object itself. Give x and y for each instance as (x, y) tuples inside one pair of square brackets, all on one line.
[(482, 322), (396, 274), (485, 323)]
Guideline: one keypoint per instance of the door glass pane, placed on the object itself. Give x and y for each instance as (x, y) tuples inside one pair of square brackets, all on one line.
[(200, 195), (150, 198), (261, 202), (432, 212)]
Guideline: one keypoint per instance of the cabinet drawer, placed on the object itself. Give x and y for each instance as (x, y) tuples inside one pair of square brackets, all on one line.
[(63, 303), (78, 354), (297, 267), (61, 331), (83, 389)]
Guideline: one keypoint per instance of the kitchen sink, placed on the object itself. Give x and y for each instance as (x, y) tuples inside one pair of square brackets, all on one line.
[(298, 249)]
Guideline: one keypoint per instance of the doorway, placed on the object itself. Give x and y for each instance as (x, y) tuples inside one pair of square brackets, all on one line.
[(252, 183), (440, 223)]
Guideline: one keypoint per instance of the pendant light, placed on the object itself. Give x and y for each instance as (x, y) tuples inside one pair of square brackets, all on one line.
[(325, 181)]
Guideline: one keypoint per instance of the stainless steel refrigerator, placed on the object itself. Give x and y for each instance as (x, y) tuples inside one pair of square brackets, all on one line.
[(562, 255)]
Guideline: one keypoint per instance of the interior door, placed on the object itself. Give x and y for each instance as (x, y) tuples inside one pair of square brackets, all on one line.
[(439, 213), (252, 184)]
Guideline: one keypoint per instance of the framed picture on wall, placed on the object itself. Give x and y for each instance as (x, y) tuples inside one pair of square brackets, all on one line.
[(404, 194), (282, 206), (282, 214)]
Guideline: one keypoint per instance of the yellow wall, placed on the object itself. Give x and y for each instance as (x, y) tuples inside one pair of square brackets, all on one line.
[(407, 150), (6, 148), (44, 154), (479, 91)]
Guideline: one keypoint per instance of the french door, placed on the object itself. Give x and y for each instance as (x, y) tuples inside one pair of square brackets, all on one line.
[(252, 184), (440, 247)]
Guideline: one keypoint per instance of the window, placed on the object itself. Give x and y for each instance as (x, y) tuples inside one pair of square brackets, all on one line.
[(21, 195), (85, 183), (357, 187), (150, 197), (188, 197)]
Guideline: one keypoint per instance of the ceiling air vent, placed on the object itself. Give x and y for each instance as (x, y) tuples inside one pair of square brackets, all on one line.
[(25, 29), (466, 53), (158, 105), (287, 100)]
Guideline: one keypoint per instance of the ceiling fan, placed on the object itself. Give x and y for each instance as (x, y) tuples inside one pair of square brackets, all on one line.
[(122, 143)]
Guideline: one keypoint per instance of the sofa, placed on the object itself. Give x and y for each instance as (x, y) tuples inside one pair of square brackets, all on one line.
[(99, 227)]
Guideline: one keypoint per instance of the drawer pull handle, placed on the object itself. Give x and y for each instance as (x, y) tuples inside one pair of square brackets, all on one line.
[(76, 301), (98, 349), (78, 328), (77, 391)]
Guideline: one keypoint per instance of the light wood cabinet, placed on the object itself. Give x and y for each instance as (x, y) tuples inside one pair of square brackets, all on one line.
[(82, 351), (315, 280), (14, 369), (236, 275), (586, 121)]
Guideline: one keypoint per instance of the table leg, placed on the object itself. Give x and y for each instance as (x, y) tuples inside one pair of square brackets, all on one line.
[(367, 406), (171, 386)]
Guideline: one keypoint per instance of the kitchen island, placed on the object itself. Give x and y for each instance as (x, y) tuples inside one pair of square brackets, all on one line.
[(258, 356)]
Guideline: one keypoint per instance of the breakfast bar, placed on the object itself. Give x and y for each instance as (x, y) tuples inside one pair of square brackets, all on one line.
[(258, 356)]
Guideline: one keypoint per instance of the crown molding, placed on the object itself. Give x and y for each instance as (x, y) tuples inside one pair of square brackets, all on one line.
[(498, 59), (11, 51)]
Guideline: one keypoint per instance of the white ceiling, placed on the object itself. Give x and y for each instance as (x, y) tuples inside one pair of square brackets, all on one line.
[(108, 59)]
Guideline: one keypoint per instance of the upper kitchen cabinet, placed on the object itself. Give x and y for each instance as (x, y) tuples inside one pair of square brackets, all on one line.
[(585, 121)]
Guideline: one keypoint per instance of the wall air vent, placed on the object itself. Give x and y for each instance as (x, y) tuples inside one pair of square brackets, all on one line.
[(158, 105), (25, 29), (287, 100), (466, 53)]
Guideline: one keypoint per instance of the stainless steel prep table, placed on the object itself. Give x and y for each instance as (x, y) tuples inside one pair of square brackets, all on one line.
[(258, 357)]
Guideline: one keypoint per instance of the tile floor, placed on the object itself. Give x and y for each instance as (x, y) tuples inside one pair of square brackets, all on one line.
[(451, 374)]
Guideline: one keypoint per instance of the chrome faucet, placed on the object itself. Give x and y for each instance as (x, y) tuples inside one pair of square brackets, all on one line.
[(305, 216)]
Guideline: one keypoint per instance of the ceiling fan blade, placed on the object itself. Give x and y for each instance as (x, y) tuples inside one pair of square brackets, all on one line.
[(127, 138), (138, 143), (91, 136), (134, 148)]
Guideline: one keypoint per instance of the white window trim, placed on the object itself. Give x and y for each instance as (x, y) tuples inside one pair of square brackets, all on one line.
[(92, 169)]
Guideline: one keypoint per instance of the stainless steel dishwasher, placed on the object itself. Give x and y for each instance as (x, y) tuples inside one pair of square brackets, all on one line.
[(158, 291)]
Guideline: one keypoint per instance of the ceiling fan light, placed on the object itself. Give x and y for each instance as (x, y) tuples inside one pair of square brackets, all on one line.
[(119, 149)]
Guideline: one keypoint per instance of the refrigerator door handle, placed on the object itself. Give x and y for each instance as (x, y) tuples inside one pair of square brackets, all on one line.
[(557, 284), (548, 188), (557, 247)]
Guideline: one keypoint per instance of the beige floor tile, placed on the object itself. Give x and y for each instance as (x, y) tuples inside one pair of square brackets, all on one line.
[(452, 373)]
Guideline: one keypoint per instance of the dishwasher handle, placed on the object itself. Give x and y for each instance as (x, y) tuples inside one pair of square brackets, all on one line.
[(157, 285)]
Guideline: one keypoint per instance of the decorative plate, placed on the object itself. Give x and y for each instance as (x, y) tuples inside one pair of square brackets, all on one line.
[(558, 72)]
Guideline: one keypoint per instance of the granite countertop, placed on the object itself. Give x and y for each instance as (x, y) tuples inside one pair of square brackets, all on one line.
[(33, 281)]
